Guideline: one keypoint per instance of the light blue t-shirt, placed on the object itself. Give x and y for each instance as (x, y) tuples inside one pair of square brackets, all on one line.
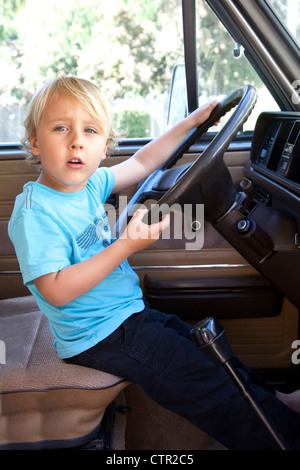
[(51, 230)]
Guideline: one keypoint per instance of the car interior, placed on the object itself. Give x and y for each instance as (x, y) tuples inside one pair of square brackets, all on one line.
[(237, 261)]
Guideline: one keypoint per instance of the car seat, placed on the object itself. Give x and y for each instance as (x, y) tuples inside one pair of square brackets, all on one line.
[(44, 402)]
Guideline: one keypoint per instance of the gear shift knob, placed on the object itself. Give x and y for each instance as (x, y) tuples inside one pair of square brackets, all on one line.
[(209, 336)]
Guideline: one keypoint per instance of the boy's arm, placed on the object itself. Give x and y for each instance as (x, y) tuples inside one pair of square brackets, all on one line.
[(75, 280), (156, 152)]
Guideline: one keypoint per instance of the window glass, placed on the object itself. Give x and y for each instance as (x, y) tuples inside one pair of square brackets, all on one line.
[(223, 67), (128, 47)]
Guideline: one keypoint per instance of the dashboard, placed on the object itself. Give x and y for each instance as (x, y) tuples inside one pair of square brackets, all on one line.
[(275, 150), (265, 226)]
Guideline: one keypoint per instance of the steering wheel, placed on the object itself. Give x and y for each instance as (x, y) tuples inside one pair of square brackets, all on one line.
[(205, 181)]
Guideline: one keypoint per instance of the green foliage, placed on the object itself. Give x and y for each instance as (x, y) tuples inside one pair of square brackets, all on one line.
[(128, 47), (118, 45), (135, 123), (8, 8)]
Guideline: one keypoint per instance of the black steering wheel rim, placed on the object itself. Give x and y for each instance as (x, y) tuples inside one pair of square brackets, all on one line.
[(196, 182)]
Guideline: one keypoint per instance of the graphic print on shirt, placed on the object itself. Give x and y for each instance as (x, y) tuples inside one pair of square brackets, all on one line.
[(98, 230)]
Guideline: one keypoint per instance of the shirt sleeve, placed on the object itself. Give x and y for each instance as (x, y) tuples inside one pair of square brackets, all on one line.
[(35, 236), (104, 179)]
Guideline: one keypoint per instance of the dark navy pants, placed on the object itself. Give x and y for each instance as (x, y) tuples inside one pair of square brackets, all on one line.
[(156, 351)]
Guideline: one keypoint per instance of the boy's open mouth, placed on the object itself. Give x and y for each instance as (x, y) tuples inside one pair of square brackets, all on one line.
[(75, 163)]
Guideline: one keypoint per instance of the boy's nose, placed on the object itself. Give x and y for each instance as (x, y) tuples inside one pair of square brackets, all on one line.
[(76, 142), (75, 146)]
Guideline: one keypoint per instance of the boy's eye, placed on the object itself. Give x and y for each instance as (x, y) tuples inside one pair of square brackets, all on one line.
[(60, 128), (90, 131)]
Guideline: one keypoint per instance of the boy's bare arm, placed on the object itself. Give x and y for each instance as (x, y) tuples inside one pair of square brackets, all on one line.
[(156, 152), (73, 281)]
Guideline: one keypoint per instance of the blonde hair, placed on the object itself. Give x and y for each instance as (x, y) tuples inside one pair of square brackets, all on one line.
[(87, 93)]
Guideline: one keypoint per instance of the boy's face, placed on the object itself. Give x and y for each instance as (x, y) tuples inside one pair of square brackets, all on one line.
[(70, 144)]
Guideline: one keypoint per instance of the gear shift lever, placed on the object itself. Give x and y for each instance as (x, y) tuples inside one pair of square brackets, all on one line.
[(209, 336)]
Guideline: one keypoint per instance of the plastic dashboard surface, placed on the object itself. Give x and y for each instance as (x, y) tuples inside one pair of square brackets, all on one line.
[(272, 204), (275, 149)]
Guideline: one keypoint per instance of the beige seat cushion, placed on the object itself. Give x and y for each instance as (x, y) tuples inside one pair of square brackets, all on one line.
[(45, 402)]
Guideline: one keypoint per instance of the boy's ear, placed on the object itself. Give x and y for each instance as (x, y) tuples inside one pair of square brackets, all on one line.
[(104, 152), (34, 146)]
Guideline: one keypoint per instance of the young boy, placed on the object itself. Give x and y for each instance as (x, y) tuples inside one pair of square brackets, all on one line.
[(83, 283)]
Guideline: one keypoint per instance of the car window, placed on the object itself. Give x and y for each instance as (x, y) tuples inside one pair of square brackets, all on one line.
[(129, 48), (223, 67)]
